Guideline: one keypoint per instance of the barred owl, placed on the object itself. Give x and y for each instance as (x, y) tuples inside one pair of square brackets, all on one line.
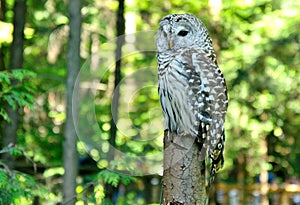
[(192, 89)]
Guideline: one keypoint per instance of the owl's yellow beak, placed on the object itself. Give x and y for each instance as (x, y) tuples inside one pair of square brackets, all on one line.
[(171, 44)]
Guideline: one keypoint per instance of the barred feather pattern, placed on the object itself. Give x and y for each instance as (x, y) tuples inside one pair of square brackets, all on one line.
[(192, 89)]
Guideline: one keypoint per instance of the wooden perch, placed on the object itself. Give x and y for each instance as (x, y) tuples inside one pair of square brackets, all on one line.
[(184, 171)]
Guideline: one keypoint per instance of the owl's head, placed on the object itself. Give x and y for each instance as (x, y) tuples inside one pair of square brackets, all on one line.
[(181, 31)]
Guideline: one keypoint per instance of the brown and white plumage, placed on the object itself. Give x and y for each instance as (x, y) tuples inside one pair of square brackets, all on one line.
[(192, 89)]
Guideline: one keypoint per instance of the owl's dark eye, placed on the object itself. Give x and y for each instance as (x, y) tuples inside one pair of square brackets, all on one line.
[(182, 33)]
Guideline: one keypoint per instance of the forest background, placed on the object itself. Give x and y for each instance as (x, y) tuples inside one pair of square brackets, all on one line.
[(118, 121)]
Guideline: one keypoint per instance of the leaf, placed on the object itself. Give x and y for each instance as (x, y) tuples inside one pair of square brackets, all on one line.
[(3, 113), (115, 178), (125, 179), (9, 99), (20, 94), (21, 74), (5, 197), (110, 177), (15, 151), (106, 202), (99, 193), (4, 78), (3, 179), (27, 179)]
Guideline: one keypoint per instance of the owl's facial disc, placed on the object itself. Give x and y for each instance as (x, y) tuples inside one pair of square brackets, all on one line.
[(179, 33), (175, 32)]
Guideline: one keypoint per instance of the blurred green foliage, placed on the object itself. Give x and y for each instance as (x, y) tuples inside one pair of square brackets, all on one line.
[(258, 47), (17, 187), (16, 90)]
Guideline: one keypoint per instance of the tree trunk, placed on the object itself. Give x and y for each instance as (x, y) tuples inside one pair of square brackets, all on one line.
[(16, 62), (184, 171), (264, 186), (70, 158), (115, 102), (110, 190), (241, 175), (2, 47)]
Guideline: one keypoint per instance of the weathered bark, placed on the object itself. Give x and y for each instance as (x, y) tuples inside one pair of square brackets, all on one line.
[(184, 171), (70, 156), (15, 62)]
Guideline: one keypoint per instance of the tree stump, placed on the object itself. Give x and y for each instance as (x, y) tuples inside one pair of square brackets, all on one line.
[(184, 171)]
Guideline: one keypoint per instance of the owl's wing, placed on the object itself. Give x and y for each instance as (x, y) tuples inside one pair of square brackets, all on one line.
[(210, 93), (193, 65)]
